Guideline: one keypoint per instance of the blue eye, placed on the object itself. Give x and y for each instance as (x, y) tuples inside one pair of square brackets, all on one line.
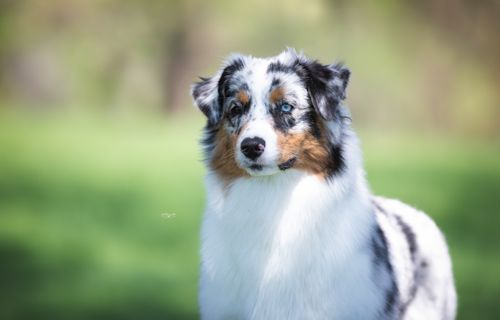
[(286, 108)]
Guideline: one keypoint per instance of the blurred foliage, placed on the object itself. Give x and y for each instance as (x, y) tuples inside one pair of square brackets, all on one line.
[(101, 187), (430, 64), (98, 220)]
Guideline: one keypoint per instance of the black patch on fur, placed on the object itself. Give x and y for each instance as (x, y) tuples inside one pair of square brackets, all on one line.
[(325, 92), (276, 82), (223, 84), (379, 246), (392, 305), (311, 119), (381, 252), (336, 162), (235, 121), (282, 121), (410, 237), (379, 207), (279, 67), (417, 267), (392, 299)]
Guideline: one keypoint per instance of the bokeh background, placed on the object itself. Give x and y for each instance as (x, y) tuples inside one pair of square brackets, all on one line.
[(101, 188)]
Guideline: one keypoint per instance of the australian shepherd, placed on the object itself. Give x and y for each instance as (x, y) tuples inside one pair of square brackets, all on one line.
[(291, 229)]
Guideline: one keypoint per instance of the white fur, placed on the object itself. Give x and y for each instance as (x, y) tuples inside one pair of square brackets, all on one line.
[(287, 247), (291, 245)]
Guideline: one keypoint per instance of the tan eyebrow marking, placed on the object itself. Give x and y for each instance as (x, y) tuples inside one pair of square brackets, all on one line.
[(243, 97), (277, 95)]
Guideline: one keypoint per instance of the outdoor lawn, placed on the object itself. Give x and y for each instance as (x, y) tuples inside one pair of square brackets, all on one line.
[(99, 217)]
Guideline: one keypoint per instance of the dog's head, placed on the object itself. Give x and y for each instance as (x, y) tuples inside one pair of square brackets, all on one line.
[(269, 115)]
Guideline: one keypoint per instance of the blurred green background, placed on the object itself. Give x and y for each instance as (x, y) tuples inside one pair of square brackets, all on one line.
[(101, 180)]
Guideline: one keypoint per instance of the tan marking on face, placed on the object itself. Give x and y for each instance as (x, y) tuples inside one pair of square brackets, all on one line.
[(243, 97), (277, 95), (312, 153), (223, 161)]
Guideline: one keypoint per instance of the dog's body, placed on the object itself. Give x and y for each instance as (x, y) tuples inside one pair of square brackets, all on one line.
[(291, 230)]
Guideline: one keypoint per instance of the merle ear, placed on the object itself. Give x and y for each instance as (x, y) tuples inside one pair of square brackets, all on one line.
[(326, 85), (205, 96)]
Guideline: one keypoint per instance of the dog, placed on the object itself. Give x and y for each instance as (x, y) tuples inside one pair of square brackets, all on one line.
[(291, 229)]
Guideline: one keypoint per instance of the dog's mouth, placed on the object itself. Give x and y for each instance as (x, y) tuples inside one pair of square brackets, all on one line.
[(256, 167), (259, 169), (287, 164)]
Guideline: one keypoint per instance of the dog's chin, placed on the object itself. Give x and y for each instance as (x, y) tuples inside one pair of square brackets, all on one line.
[(259, 170)]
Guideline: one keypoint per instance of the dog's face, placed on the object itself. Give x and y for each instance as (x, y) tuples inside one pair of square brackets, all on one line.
[(269, 115)]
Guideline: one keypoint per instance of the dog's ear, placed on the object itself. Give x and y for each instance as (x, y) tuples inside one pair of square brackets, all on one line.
[(205, 95), (209, 93), (326, 85)]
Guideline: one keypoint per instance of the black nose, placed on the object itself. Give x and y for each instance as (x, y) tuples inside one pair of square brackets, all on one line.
[(253, 147)]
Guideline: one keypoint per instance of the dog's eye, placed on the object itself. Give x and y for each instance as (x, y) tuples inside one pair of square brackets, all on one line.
[(286, 107), (235, 110)]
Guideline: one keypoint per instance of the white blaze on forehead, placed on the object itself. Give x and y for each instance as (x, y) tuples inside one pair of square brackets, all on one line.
[(257, 79), (260, 122)]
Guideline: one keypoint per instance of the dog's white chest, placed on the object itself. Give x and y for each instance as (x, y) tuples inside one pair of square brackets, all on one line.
[(281, 248)]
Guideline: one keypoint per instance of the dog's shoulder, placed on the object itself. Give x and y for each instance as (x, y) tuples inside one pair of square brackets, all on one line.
[(418, 256)]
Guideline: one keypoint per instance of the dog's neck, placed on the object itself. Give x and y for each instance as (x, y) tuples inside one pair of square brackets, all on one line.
[(268, 194), (273, 221)]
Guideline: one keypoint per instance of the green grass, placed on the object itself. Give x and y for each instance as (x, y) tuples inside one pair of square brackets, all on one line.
[(100, 218)]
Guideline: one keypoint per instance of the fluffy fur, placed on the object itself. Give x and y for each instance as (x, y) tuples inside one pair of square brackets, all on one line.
[(295, 232)]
